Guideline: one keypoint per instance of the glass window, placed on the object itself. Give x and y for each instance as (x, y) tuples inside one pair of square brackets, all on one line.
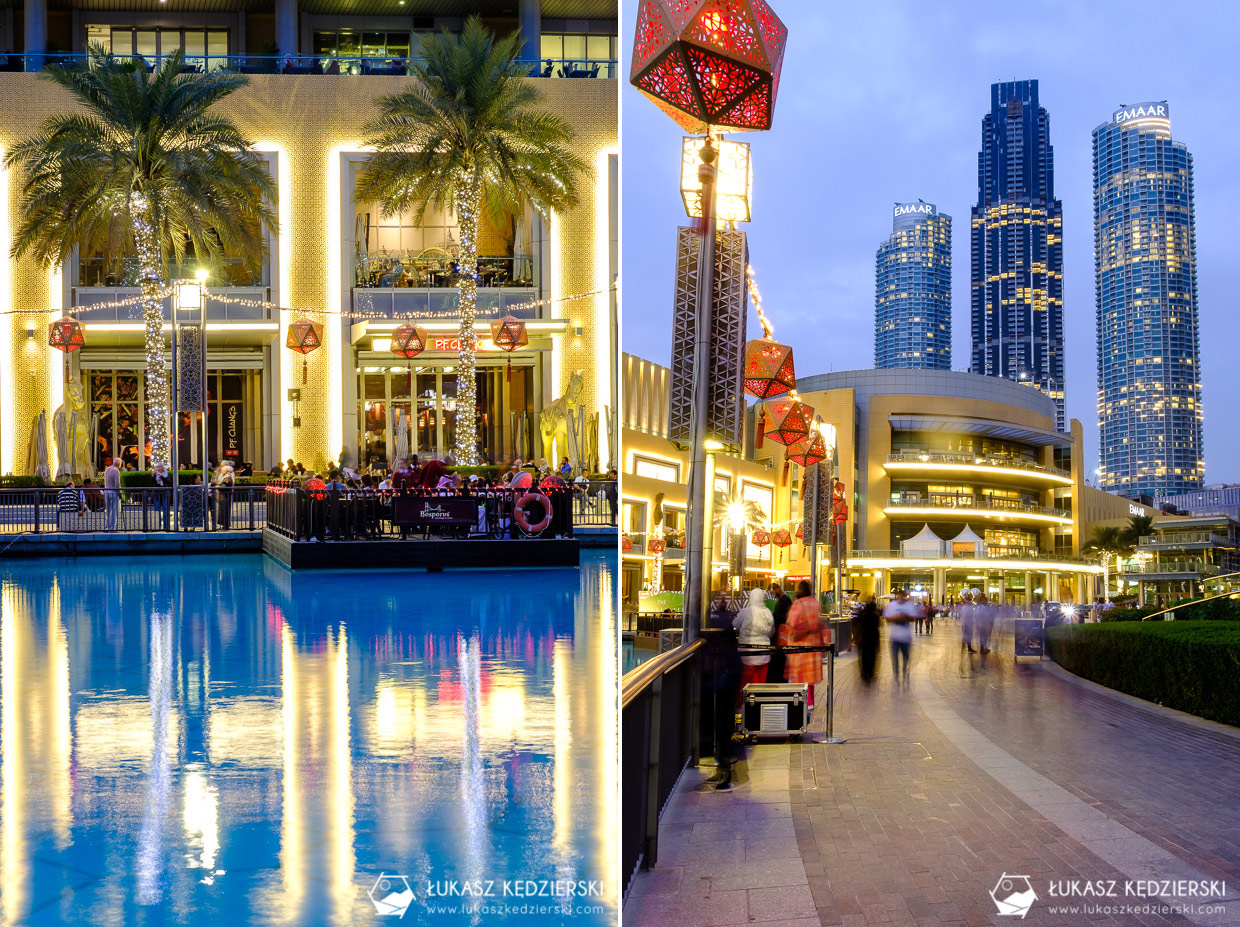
[(146, 43), (374, 44), (122, 41), (349, 45), (598, 47), (325, 44), (574, 47), (169, 41), (398, 44), (217, 46), (195, 45), (99, 35), (553, 47), (656, 469)]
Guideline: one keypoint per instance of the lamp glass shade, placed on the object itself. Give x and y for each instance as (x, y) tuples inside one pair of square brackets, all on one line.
[(509, 333), (304, 336), (791, 421), (733, 179), (709, 63), (768, 369), (66, 334), (408, 341), (187, 295)]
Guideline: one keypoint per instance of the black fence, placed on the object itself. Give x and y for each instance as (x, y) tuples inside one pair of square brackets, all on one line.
[(348, 514), (91, 509), (595, 503), (658, 711)]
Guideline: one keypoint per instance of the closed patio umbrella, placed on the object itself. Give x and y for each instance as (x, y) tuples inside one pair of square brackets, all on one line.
[(402, 434)]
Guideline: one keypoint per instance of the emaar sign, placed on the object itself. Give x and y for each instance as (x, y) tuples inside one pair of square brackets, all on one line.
[(912, 209), (1143, 111)]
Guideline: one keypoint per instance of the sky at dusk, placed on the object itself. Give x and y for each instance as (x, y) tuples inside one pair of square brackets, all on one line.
[(882, 102)]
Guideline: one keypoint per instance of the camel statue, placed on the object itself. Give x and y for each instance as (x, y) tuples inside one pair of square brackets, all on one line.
[(554, 420)]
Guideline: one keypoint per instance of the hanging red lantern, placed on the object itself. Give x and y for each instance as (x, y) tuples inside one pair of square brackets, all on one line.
[(791, 421), (709, 63), (626, 543), (808, 451), (768, 369), (408, 341), (657, 546), (780, 537), (304, 336), (761, 538), (801, 532), (839, 505), (66, 334), (508, 334)]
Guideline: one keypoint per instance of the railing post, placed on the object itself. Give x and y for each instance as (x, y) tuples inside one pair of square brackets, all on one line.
[(38, 495), (654, 718)]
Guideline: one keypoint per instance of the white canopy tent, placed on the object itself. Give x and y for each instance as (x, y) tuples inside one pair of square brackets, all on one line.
[(923, 544), (968, 543)]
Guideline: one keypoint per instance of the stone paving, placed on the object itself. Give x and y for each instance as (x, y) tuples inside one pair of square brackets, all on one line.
[(979, 767)]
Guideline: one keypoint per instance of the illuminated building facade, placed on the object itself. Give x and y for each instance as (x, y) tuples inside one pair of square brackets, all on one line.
[(913, 290), (1145, 253), (335, 261), (1017, 243)]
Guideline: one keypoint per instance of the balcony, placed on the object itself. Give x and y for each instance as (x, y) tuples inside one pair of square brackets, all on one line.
[(1177, 570), (1006, 467), (970, 505), (992, 559), (1184, 540), (424, 286), (355, 65)]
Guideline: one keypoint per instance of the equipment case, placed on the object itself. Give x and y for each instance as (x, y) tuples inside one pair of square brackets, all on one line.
[(774, 709)]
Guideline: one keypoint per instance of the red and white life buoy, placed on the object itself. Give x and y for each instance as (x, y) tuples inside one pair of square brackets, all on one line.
[(522, 514)]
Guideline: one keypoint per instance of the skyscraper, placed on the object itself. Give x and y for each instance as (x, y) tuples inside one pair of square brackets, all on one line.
[(913, 290), (1017, 228), (1145, 254)]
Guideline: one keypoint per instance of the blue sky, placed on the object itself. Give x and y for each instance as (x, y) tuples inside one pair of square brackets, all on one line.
[(883, 101)]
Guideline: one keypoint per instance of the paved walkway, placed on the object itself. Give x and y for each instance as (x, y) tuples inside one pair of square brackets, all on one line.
[(981, 767)]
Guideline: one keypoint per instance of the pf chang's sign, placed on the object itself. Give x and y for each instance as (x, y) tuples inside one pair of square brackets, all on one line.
[(232, 429), (914, 209), (453, 343), (1142, 111)]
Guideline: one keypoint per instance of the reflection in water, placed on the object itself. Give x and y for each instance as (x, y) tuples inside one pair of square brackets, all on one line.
[(215, 740)]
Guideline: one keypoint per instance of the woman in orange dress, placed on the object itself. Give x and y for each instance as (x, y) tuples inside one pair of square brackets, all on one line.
[(803, 629)]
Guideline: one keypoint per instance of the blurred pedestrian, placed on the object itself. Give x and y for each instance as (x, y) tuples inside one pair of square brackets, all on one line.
[(803, 629), (899, 615), (865, 633), (965, 610), (983, 622), (754, 624), (783, 604)]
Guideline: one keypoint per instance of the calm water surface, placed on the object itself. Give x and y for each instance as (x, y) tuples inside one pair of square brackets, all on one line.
[(216, 740)]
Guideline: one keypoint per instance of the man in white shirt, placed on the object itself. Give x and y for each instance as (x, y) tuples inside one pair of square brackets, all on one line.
[(899, 615), (112, 491)]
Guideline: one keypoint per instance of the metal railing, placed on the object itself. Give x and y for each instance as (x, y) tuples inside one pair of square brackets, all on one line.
[(595, 503), (971, 460), (124, 272), (1169, 539), (659, 737), (350, 514), (1030, 555), (1193, 566), (147, 509), (377, 65), (439, 272), (948, 501), (651, 623), (442, 303)]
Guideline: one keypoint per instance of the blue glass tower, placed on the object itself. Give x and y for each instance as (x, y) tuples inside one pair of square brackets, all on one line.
[(1145, 255), (913, 290), (1017, 228)]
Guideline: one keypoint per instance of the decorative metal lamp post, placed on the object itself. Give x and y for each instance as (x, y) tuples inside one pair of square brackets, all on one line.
[(189, 378), (709, 66)]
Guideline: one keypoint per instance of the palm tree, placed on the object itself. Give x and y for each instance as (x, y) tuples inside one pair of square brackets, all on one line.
[(1138, 527), (469, 135), (1110, 543), (143, 167)]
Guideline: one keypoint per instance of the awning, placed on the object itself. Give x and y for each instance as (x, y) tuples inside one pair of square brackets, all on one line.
[(956, 424)]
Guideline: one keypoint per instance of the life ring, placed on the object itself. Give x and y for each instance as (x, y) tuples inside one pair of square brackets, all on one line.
[(521, 513)]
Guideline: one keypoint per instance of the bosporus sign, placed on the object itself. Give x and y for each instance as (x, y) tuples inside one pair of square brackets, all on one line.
[(1142, 111)]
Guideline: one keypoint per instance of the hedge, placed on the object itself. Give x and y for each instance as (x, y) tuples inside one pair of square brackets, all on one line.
[(1193, 666), (1127, 614), (137, 479)]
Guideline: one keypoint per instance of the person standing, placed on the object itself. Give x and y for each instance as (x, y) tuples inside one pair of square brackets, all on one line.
[(865, 632), (721, 676), (775, 669), (983, 622), (112, 491), (224, 482), (966, 612), (803, 629), (899, 615), (163, 492), (754, 625)]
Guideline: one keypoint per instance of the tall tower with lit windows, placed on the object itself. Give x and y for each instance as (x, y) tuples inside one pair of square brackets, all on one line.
[(913, 290), (1017, 236), (1145, 259)]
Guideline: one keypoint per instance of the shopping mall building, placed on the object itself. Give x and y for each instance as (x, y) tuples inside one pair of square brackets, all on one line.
[(335, 260), (953, 481)]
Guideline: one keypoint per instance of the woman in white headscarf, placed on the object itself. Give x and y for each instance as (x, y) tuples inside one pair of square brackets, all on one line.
[(754, 624)]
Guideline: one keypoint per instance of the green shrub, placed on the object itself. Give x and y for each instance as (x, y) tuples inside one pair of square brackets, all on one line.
[(17, 481), (1190, 665), (1128, 614), (138, 479), (1211, 610)]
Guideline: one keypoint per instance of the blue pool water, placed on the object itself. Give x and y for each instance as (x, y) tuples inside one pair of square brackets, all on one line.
[(216, 740)]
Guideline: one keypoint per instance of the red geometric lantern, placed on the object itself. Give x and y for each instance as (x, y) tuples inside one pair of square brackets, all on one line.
[(800, 532), (626, 543), (839, 507), (808, 451), (66, 334), (781, 537), (408, 341), (509, 334), (304, 336), (709, 63), (657, 546), (761, 538), (791, 421), (768, 369)]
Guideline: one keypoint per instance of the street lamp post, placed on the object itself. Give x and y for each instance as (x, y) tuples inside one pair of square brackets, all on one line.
[(188, 296)]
